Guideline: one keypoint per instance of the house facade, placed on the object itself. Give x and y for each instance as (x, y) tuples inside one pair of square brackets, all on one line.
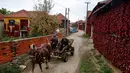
[(61, 18), (80, 24), (17, 24)]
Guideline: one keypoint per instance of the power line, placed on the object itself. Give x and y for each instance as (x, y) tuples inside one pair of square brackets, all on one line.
[(60, 4), (70, 9), (76, 14), (86, 14)]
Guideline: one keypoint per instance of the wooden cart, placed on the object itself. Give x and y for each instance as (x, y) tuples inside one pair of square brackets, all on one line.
[(65, 52)]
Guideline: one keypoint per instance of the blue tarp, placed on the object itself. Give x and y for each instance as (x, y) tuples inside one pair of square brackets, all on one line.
[(73, 29)]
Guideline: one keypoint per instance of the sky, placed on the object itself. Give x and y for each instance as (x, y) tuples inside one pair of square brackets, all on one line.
[(77, 7)]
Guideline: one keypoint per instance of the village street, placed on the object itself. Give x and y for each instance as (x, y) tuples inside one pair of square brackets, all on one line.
[(58, 66)]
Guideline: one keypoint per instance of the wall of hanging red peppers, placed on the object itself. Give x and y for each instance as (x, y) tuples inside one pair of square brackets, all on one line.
[(111, 35)]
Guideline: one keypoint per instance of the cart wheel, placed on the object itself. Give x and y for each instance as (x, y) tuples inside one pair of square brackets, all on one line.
[(65, 57), (72, 51)]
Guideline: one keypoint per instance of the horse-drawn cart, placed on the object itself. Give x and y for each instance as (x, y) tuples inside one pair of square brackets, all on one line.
[(65, 52)]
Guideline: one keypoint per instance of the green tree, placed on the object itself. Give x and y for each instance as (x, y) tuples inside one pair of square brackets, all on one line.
[(45, 5), (5, 11), (43, 24)]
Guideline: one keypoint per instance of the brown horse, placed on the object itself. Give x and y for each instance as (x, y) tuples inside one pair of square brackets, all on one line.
[(40, 55)]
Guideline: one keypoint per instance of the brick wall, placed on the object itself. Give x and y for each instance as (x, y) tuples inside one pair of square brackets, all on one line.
[(22, 48)]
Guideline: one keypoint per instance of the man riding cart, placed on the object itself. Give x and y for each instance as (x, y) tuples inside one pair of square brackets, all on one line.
[(63, 49), (54, 42), (64, 43)]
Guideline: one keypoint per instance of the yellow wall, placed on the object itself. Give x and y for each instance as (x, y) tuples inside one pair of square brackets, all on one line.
[(17, 21)]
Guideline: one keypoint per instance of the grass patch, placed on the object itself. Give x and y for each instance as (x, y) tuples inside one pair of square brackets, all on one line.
[(88, 65), (106, 69), (85, 36), (23, 58)]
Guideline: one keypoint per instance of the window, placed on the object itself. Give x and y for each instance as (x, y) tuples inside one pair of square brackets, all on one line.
[(11, 22)]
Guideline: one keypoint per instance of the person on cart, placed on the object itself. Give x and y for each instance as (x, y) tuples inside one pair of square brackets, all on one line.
[(54, 42), (64, 43)]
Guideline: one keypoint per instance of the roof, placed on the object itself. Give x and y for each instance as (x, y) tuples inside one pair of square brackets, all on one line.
[(24, 13), (105, 2), (60, 17), (21, 13), (1, 16), (80, 22), (34, 13), (104, 6)]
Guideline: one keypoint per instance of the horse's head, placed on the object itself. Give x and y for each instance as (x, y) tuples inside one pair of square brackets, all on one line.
[(32, 47), (33, 50)]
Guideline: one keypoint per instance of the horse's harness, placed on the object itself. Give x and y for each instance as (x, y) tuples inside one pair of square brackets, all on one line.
[(33, 54), (37, 54)]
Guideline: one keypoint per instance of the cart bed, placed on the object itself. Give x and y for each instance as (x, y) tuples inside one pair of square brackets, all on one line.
[(71, 41)]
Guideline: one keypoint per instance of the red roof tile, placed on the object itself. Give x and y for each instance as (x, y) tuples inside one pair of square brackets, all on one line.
[(24, 13), (1, 16), (21, 13)]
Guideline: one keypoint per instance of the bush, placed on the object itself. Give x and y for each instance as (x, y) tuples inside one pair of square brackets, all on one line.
[(43, 24), (11, 68)]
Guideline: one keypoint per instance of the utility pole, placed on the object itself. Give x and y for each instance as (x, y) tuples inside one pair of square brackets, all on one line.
[(86, 15), (68, 12), (68, 21), (65, 20)]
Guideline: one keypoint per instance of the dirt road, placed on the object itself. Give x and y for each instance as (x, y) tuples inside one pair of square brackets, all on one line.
[(57, 65)]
